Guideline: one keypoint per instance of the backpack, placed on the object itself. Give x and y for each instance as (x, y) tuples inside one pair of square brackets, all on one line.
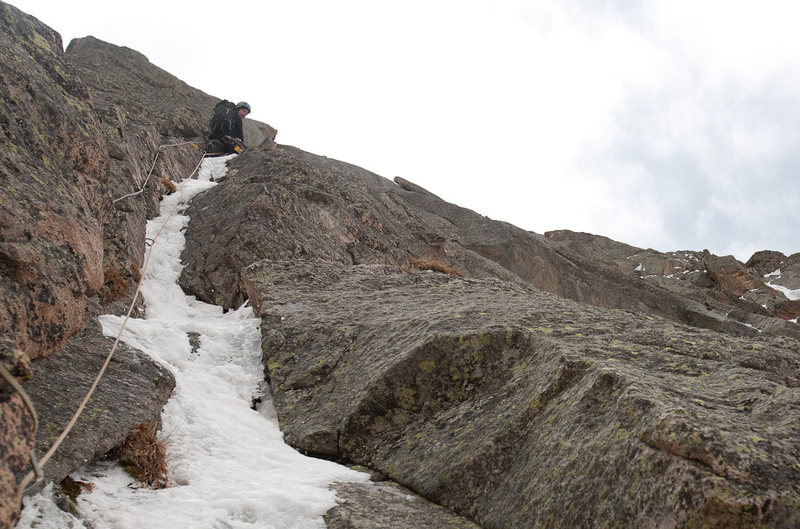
[(223, 112)]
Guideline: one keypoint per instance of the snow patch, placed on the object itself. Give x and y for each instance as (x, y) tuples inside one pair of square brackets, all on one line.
[(793, 295), (751, 326), (228, 462)]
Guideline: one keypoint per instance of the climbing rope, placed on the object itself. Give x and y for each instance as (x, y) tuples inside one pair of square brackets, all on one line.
[(25, 484), (158, 153)]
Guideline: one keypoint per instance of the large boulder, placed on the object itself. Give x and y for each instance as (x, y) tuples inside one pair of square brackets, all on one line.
[(731, 275), (516, 408), (765, 262), (284, 203)]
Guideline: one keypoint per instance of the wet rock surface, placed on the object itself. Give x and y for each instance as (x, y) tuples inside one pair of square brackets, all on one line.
[(516, 408)]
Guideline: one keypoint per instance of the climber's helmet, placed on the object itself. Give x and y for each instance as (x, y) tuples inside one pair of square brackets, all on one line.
[(243, 105)]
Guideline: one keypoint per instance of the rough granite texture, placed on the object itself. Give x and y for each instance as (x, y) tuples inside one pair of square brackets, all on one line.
[(509, 406), (387, 505), (288, 204), (53, 172), (16, 430), (519, 409), (133, 390)]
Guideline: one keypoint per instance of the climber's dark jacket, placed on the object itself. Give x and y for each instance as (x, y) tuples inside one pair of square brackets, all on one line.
[(226, 128)]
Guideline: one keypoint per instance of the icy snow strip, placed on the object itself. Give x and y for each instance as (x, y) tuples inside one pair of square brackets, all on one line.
[(793, 295), (229, 464)]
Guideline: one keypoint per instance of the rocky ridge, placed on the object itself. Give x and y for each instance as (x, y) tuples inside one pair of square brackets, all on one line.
[(317, 207), (486, 368)]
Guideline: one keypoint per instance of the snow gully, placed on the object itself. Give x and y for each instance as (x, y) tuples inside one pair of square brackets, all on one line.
[(229, 466)]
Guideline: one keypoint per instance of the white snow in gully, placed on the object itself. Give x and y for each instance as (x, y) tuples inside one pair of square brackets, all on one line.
[(229, 466)]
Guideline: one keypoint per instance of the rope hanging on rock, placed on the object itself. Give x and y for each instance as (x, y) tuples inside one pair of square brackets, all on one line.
[(158, 153), (36, 472)]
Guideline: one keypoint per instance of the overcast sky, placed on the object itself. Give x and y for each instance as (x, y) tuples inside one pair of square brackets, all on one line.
[(665, 124)]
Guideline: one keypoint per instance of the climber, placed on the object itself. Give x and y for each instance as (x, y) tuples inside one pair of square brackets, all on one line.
[(226, 135)]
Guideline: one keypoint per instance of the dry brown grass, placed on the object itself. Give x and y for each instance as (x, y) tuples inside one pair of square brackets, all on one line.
[(169, 185), (431, 264), (144, 456), (114, 285), (136, 274)]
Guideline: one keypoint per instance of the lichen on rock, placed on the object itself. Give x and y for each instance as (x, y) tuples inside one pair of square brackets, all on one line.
[(516, 408)]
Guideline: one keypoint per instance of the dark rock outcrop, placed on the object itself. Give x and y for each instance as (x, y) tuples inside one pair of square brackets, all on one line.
[(520, 409), (286, 203), (740, 292), (133, 390)]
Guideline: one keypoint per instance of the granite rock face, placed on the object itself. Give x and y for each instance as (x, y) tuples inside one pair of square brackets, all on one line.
[(517, 408), (285, 203), (17, 434), (512, 378), (288, 204), (154, 127), (53, 167)]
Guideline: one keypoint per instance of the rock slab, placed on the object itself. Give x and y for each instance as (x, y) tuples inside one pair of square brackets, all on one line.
[(518, 409)]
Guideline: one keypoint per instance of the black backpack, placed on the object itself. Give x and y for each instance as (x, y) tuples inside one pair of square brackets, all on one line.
[(223, 115)]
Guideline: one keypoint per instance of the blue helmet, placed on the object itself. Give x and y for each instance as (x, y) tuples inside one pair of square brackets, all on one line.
[(245, 105)]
